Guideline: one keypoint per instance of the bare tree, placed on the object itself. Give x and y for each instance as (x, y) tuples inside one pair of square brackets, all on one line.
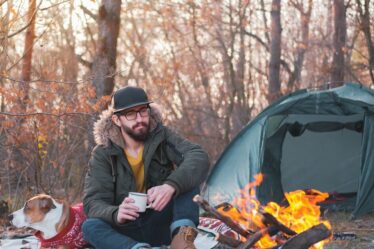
[(104, 64), (340, 33), (19, 150), (275, 51), (4, 29), (27, 54), (212, 65), (365, 25), (303, 44)]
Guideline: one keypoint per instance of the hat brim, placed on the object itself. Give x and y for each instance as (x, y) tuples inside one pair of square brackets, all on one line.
[(131, 106)]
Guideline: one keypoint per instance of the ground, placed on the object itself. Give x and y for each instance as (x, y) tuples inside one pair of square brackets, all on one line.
[(363, 227)]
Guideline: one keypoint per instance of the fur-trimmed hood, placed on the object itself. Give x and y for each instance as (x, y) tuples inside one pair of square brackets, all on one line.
[(105, 130)]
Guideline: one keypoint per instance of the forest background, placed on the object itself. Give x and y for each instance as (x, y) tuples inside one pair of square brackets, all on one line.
[(212, 65)]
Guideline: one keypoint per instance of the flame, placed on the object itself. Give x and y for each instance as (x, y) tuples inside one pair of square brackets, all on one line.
[(301, 214)]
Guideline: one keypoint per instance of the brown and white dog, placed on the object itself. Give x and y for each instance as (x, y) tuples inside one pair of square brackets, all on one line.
[(58, 225)]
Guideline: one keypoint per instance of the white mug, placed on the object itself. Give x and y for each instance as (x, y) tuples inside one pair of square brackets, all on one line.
[(140, 200)]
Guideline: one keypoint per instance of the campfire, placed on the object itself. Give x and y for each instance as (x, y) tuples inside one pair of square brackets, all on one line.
[(298, 225)]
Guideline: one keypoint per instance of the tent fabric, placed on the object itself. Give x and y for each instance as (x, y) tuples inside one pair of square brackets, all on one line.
[(318, 154), (341, 117), (365, 195)]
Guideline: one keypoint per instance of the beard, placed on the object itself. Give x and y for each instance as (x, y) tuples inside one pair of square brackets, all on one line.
[(139, 135)]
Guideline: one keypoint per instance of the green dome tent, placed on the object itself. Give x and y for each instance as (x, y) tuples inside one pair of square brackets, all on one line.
[(320, 139)]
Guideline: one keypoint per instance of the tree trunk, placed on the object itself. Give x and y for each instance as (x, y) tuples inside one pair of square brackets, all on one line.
[(27, 55), (340, 33), (104, 64), (4, 30), (241, 110), (303, 46), (275, 51), (226, 49), (365, 27), (24, 128)]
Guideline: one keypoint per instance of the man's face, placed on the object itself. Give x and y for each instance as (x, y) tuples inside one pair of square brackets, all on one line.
[(135, 122)]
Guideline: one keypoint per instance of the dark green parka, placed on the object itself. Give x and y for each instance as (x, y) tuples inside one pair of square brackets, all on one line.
[(167, 157)]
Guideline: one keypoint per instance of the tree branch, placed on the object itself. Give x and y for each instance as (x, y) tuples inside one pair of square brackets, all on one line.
[(27, 25), (84, 62), (45, 113), (88, 12), (257, 38), (54, 5)]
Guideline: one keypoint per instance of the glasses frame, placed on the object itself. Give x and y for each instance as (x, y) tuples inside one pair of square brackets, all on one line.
[(143, 115)]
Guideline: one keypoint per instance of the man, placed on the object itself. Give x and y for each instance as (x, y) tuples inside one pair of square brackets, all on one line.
[(136, 153)]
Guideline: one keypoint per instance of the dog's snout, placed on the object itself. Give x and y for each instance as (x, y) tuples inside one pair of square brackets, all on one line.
[(10, 217)]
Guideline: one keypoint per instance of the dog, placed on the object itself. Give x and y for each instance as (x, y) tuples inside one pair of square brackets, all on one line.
[(57, 224)]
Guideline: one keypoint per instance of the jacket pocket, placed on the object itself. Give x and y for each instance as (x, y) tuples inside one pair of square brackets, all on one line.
[(159, 169)]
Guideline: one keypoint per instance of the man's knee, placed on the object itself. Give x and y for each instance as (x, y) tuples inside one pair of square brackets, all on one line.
[(90, 225), (186, 208), (188, 196)]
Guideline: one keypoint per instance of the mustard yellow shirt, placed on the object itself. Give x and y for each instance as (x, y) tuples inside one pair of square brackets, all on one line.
[(137, 166)]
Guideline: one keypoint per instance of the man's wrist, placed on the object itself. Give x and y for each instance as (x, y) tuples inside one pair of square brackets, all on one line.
[(115, 217), (174, 186), (171, 188)]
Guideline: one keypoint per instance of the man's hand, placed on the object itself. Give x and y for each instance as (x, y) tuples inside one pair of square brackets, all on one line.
[(127, 211), (159, 196)]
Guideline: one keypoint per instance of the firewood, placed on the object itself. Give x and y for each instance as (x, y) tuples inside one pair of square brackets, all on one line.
[(307, 238), (223, 239), (344, 236), (269, 219), (225, 219), (252, 239)]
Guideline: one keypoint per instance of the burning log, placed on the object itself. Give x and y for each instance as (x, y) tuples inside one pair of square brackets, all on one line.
[(223, 239), (252, 239), (307, 238), (225, 219), (269, 219), (299, 241)]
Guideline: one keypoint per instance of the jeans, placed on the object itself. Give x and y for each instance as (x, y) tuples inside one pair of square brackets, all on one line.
[(151, 228)]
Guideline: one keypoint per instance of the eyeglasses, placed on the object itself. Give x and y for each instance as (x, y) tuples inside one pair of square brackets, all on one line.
[(131, 115)]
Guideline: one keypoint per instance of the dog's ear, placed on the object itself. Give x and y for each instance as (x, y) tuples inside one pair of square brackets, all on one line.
[(46, 204)]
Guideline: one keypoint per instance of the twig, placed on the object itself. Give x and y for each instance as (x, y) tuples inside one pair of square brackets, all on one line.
[(54, 5), (27, 24), (88, 12)]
